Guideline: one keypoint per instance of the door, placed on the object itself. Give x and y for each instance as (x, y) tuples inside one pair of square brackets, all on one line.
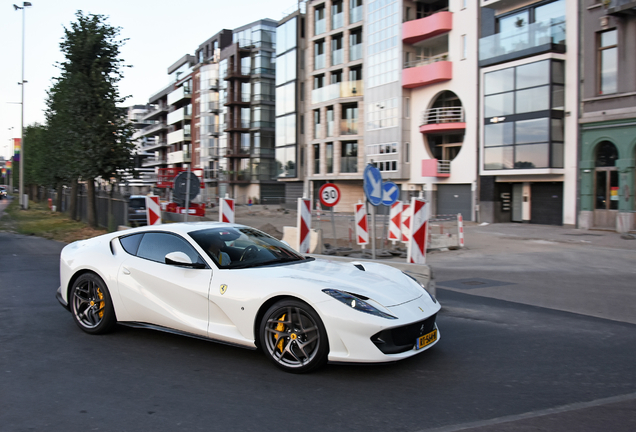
[(606, 197), (161, 294), (517, 202), (546, 206), (453, 199)]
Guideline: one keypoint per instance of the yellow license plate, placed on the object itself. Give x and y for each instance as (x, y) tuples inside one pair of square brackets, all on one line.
[(427, 339)]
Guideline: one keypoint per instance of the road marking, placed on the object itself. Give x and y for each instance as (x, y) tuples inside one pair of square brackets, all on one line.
[(534, 414)]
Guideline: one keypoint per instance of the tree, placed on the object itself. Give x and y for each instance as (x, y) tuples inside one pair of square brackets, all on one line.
[(93, 136)]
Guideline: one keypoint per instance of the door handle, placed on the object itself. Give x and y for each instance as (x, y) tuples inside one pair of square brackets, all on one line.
[(125, 271)]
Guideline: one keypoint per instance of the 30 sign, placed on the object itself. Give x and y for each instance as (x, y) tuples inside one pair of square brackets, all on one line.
[(329, 194)]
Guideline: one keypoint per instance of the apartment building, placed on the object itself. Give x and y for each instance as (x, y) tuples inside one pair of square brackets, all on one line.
[(528, 97), (439, 89), (332, 124), (608, 116)]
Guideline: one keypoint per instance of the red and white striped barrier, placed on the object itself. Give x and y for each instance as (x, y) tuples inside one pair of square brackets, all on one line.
[(406, 223), (419, 229), (362, 227), (153, 210), (395, 222), (460, 229), (226, 209), (304, 225)]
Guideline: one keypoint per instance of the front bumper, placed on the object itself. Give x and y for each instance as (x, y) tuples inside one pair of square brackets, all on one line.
[(58, 296)]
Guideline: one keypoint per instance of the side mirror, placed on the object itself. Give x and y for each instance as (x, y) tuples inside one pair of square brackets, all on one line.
[(181, 259)]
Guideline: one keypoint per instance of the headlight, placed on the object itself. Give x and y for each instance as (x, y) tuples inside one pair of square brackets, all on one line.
[(423, 287), (356, 303)]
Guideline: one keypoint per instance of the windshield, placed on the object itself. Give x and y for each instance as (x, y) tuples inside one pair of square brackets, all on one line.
[(243, 247), (137, 203)]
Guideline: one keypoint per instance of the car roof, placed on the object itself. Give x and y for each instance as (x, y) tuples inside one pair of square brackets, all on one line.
[(181, 227)]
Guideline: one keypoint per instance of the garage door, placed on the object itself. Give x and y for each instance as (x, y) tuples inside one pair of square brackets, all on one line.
[(453, 199), (546, 205)]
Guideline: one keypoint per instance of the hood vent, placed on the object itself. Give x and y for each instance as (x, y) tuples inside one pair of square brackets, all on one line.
[(359, 266)]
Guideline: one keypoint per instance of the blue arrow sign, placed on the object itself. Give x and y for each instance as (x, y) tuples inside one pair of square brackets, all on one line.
[(390, 193), (372, 185)]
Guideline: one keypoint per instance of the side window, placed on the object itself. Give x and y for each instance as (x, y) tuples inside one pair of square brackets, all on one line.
[(131, 243), (155, 246)]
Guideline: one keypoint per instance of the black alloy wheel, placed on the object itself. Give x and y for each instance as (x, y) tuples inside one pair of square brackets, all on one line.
[(91, 305), (293, 336)]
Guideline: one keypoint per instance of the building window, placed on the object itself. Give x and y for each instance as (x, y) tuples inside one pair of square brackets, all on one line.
[(316, 124), (355, 11), (335, 77), (320, 24), (319, 54), (464, 48), (608, 62), (330, 122), (337, 15), (406, 152), (355, 45), (349, 123), (386, 166), (329, 157), (316, 158), (523, 117), (349, 157), (337, 53), (407, 107)]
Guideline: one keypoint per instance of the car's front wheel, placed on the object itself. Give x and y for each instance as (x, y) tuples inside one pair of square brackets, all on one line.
[(91, 305), (293, 336)]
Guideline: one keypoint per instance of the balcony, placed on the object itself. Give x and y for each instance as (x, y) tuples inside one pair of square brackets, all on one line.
[(337, 90), (435, 168), (355, 14), (319, 61), (427, 27), (320, 27), (263, 98), (178, 136), (337, 57), (443, 119), (213, 129), (427, 71), (532, 39), (263, 71), (337, 21), (349, 126), (242, 72), (180, 115), (155, 112), (211, 84), (154, 145), (213, 106), (181, 93), (262, 125), (260, 152), (355, 52), (622, 7), (153, 162), (237, 125), (180, 156), (153, 128), (240, 152)]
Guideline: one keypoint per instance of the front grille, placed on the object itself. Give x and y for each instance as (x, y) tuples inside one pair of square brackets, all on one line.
[(400, 339)]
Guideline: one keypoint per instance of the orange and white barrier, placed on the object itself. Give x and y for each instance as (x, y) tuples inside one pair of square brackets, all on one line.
[(226, 209), (406, 223), (395, 222), (153, 210), (304, 225), (362, 227), (419, 232), (460, 229)]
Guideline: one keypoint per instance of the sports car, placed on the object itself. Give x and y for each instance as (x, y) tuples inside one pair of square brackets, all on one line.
[(234, 284)]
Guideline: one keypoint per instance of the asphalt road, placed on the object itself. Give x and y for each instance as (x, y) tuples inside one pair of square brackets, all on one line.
[(505, 361)]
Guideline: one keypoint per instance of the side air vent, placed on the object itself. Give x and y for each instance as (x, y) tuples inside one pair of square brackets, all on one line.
[(359, 266)]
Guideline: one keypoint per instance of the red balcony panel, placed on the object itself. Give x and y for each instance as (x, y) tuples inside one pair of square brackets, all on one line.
[(427, 27), (427, 74), (430, 169), (442, 127)]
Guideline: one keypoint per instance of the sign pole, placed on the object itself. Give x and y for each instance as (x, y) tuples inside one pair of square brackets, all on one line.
[(373, 231), (187, 201), (333, 227)]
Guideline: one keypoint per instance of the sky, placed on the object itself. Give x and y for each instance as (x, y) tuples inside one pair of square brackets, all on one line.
[(160, 32)]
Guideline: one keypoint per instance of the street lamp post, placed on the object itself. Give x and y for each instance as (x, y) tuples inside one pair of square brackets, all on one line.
[(22, 82)]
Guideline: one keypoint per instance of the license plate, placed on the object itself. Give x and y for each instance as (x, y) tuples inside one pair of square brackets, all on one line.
[(427, 339)]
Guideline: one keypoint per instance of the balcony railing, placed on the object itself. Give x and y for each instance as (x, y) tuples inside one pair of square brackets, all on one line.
[(321, 27), (355, 15), (213, 106), (337, 90), (319, 61), (263, 71), (262, 124), (443, 166), (337, 57), (443, 115), (425, 61), (213, 129), (526, 37), (153, 128), (258, 151), (337, 21), (349, 127), (355, 52), (212, 83), (242, 71), (349, 164), (263, 97), (153, 161)]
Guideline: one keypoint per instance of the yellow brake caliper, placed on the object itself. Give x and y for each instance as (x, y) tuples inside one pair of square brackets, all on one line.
[(101, 304), (280, 327)]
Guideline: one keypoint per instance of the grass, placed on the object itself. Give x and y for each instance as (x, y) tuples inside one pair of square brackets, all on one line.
[(38, 220)]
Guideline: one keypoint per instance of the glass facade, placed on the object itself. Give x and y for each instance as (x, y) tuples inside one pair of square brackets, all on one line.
[(286, 145), (383, 29), (523, 116)]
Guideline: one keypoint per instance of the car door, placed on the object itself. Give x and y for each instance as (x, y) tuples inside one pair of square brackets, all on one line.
[(162, 294)]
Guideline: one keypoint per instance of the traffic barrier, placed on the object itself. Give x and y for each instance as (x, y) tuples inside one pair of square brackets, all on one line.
[(153, 210), (406, 223), (362, 227), (304, 225), (226, 209), (460, 229), (395, 222), (419, 228)]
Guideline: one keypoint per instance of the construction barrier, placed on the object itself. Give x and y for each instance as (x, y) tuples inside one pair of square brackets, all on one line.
[(226, 209), (362, 227), (416, 253), (460, 229), (406, 223), (395, 222), (304, 225), (153, 210)]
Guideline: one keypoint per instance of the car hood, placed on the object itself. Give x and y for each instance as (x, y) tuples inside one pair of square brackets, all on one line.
[(384, 284)]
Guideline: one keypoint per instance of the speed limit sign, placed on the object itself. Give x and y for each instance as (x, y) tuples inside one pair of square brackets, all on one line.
[(329, 195)]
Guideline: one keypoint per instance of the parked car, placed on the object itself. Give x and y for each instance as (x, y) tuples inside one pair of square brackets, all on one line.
[(137, 211), (237, 285), (3, 192)]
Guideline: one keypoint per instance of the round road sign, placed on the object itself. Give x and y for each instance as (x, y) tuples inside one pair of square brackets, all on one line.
[(329, 194)]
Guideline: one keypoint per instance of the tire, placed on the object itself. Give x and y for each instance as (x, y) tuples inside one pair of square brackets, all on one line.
[(91, 305), (293, 337)]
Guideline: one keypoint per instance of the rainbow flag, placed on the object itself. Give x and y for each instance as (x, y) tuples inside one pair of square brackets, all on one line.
[(17, 146)]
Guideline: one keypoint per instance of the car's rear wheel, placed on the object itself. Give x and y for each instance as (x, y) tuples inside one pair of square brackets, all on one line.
[(91, 305), (293, 336)]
